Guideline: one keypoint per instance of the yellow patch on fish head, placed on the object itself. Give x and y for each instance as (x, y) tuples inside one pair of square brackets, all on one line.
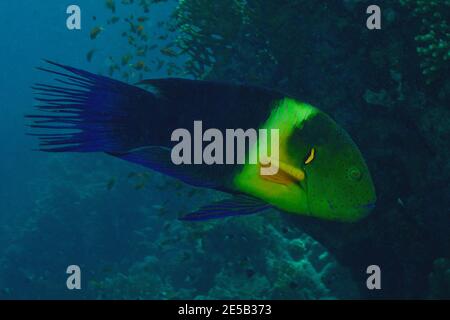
[(282, 189), (321, 172)]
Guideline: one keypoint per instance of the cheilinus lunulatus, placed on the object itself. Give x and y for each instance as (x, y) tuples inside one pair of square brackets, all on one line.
[(320, 171)]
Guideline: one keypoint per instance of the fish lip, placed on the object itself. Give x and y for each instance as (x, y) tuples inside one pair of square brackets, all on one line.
[(369, 206)]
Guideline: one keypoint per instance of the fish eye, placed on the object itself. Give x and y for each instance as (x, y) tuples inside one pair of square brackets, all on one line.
[(311, 156), (354, 173)]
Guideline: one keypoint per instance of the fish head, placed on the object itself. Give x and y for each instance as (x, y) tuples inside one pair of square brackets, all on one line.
[(337, 183)]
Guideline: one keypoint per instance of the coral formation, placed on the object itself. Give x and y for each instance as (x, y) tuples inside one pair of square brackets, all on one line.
[(434, 38), (256, 261), (440, 279)]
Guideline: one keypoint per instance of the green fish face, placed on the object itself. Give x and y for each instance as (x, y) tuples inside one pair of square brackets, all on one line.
[(321, 171), (337, 181)]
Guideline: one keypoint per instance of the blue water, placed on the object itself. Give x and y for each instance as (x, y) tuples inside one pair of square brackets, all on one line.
[(118, 221), (31, 259)]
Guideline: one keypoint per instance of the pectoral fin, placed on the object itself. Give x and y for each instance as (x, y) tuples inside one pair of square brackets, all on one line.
[(286, 173)]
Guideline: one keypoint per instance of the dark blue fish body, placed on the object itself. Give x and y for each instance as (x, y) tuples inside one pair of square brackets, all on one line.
[(93, 113), (117, 117)]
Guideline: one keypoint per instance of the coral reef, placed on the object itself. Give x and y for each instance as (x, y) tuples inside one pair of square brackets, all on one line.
[(256, 261), (434, 38), (440, 279), (224, 36)]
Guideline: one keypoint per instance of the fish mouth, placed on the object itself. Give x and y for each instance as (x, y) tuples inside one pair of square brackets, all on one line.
[(369, 206)]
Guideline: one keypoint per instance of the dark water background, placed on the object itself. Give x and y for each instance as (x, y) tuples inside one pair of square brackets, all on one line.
[(119, 223)]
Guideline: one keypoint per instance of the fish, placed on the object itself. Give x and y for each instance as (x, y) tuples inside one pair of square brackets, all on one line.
[(143, 19), (141, 51), (90, 55), (112, 68), (168, 52), (126, 59), (139, 186), (113, 20), (140, 28), (95, 32), (131, 40), (141, 179), (111, 5), (321, 172), (139, 65)]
